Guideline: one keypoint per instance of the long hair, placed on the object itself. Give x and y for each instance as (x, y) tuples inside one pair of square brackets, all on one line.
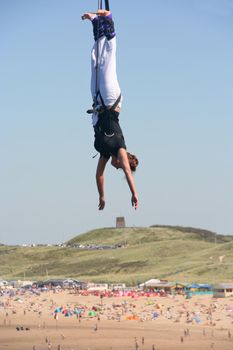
[(133, 161)]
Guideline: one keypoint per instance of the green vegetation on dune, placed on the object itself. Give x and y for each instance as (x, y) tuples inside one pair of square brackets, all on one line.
[(173, 253)]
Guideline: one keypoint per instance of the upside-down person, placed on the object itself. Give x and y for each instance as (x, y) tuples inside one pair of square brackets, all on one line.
[(106, 93)]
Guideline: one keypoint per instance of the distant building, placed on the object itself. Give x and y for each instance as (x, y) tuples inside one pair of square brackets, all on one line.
[(117, 286), (120, 222), (97, 287), (223, 290), (157, 285)]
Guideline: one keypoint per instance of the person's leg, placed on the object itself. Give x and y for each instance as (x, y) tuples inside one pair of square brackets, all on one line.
[(109, 29), (102, 23), (97, 52), (98, 27), (96, 74), (108, 83)]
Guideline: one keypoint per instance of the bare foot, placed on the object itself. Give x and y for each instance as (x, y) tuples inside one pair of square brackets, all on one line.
[(103, 13), (91, 15)]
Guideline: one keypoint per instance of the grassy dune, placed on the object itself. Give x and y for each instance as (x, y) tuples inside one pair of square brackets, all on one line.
[(173, 253)]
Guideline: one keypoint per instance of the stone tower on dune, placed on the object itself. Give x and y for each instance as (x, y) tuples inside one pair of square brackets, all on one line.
[(120, 222)]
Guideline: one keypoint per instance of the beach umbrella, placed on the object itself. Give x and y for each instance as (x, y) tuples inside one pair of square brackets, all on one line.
[(58, 309), (77, 311)]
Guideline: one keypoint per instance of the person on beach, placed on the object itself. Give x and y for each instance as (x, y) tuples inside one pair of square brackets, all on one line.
[(107, 101)]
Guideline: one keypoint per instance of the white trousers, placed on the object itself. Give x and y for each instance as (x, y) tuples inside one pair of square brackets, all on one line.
[(104, 77)]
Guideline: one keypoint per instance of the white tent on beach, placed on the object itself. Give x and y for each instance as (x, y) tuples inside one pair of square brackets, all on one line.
[(151, 283)]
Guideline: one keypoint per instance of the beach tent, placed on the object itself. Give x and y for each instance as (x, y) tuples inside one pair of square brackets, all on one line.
[(150, 283), (92, 313), (132, 318), (68, 313)]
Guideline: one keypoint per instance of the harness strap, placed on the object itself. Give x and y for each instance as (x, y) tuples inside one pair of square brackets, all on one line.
[(107, 5), (90, 111), (101, 99), (116, 103)]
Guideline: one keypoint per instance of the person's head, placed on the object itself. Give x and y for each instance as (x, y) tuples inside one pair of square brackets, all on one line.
[(133, 162), (115, 162)]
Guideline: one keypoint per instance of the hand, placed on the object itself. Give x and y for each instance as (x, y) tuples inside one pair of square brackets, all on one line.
[(134, 201), (101, 203), (88, 15)]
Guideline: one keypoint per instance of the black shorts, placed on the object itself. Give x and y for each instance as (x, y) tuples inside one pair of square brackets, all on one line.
[(108, 134)]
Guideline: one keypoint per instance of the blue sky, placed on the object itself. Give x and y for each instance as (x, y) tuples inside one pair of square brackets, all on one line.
[(174, 64)]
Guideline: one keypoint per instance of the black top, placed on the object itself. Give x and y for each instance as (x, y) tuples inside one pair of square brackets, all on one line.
[(108, 134)]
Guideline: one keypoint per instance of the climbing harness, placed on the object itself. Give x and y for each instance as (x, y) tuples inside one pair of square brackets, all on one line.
[(106, 117)]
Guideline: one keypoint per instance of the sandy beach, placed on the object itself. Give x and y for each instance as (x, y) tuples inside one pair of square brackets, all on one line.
[(52, 321)]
